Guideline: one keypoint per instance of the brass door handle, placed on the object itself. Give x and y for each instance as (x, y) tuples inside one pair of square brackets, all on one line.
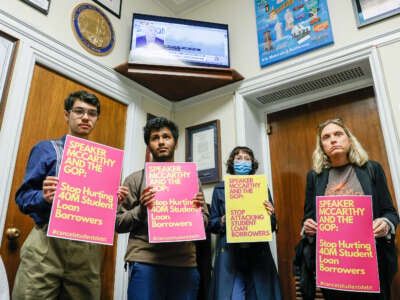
[(13, 233)]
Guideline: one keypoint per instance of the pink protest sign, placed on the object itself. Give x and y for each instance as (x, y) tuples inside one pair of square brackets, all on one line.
[(85, 201), (346, 252), (172, 218)]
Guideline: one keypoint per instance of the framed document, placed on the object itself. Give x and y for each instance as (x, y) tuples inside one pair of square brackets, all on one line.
[(7, 55), (41, 5), (203, 146), (113, 6), (370, 11)]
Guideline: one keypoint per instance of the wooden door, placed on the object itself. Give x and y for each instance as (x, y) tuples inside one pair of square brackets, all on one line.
[(44, 119), (292, 142)]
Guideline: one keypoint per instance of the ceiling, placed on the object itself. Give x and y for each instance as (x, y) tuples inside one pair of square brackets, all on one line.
[(179, 7)]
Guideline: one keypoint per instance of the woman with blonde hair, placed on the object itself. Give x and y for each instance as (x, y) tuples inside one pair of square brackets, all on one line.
[(341, 167)]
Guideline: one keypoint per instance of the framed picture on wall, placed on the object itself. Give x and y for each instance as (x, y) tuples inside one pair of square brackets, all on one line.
[(8, 47), (203, 146), (113, 6), (41, 5), (287, 29), (370, 11)]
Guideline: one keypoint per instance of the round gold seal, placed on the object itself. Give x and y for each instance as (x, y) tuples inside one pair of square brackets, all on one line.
[(93, 29)]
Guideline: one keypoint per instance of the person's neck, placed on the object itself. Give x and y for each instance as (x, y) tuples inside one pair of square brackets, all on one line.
[(339, 161), (85, 137), (171, 160)]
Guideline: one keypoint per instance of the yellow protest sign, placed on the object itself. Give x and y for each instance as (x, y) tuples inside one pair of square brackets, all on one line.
[(247, 220)]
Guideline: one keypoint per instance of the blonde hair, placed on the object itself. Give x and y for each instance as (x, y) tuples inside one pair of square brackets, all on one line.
[(356, 155)]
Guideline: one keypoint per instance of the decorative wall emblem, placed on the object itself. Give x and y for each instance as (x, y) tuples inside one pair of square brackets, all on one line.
[(93, 29)]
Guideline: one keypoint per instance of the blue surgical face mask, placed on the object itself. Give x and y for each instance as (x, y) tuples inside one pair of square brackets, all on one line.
[(242, 167)]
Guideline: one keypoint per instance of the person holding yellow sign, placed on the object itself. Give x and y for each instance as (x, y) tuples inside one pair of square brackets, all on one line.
[(242, 271)]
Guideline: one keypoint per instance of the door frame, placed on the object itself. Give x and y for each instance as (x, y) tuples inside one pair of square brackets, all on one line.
[(38, 48), (251, 115)]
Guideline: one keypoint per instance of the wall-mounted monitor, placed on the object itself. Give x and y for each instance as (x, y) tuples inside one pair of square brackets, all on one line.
[(178, 42)]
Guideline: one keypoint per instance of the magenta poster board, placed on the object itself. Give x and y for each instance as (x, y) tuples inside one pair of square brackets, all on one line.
[(172, 218), (85, 201), (346, 252)]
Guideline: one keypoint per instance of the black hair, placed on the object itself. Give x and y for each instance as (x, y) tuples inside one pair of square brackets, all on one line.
[(157, 124), (84, 96), (235, 151)]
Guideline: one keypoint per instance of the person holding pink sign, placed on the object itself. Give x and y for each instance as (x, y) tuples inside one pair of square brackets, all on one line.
[(53, 268), (244, 271), (160, 270), (341, 167)]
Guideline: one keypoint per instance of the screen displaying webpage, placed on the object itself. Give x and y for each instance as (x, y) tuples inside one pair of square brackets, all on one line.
[(158, 42)]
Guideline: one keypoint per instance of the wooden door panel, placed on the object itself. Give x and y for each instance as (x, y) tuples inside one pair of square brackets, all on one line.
[(288, 178), (291, 145), (44, 119)]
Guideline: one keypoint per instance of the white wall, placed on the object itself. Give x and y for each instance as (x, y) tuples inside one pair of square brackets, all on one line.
[(240, 16), (145, 106), (221, 109), (151, 106), (57, 24), (391, 65)]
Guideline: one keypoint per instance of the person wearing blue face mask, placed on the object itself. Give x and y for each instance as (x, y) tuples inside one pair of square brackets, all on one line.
[(243, 271), (242, 167)]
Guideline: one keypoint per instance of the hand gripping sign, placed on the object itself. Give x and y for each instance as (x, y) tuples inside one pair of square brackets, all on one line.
[(346, 252), (85, 201), (247, 220), (173, 218)]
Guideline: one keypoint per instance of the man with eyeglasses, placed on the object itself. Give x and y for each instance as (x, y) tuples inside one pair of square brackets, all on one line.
[(53, 268)]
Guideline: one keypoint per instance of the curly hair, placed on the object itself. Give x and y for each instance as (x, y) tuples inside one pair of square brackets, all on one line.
[(356, 155), (234, 152), (157, 124)]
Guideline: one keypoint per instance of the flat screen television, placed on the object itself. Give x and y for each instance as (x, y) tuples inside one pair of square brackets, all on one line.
[(178, 42)]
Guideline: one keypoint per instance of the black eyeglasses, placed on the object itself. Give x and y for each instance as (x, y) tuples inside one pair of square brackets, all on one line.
[(80, 112)]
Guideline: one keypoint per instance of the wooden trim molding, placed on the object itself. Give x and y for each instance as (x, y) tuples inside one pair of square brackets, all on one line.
[(38, 48)]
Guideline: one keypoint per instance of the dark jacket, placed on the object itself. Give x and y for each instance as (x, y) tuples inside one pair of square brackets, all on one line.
[(304, 267), (203, 259), (373, 182), (44, 160), (230, 258)]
